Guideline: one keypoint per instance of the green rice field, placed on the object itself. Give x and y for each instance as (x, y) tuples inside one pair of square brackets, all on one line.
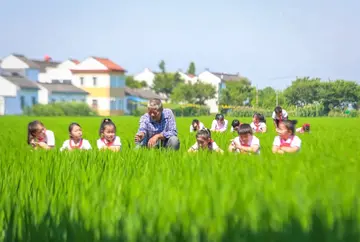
[(153, 195)]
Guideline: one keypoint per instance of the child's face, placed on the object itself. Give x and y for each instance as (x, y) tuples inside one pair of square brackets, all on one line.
[(278, 114), (256, 120), (40, 131), (283, 131), (195, 125), (220, 121), (203, 142), (76, 132), (245, 138), (109, 133)]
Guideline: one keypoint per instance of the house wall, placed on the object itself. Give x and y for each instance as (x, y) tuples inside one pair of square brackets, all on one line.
[(61, 73), (128, 100), (146, 76), (90, 64), (2, 105), (43, 95), (7, 88), (67, 97), (12, 62), (13, 104), (208, 77), (32, 74)]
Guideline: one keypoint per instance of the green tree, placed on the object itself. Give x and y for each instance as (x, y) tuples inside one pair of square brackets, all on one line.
[(166, 82), (191, 69), (266, 98), (197, 93), (130, 82), (237, 93), (303, 91), (162, 66)]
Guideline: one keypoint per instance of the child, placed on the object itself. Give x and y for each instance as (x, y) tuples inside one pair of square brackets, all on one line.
[(257, 125), (287, 141), (219, 124), (39, 136), (108, 138), (246, 142), (196, 125), (303, 129), (278, 116), (204, 142), (235, 124), (76, 142)]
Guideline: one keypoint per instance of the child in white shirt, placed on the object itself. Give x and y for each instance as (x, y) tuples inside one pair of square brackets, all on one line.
[(287, 141), (278, 116), (246, 142), (220, 124), (196, 125), (235, 124), (39, 137), (76, 142), (108, 138), (204, 142), (256, 125)]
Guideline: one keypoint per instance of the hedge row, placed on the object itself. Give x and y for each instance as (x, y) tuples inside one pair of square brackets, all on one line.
[(60, 109)]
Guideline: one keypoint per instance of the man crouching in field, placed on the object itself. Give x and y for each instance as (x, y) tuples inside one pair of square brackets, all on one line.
[(157, 128)]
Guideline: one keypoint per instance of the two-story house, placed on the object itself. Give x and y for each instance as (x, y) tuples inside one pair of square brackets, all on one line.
[(104, 80)]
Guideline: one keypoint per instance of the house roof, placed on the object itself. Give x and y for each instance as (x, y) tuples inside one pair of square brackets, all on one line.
[(27, 61), (110, 65), (75, 61), (62, 87), (45, 64), (227, 76), (142, 93), (21, 82)]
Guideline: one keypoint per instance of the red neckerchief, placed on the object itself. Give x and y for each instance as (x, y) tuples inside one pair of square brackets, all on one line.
[(246, 145), (76, 147), (42, 139), (210, 144), (109, 143), (280, 118), (283, 142)]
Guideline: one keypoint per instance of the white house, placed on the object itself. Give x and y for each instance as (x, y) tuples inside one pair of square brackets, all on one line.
[(60, 73), (188, 78), (146, 75), (217, 79)]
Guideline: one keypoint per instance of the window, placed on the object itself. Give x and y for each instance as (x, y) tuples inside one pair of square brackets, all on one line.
[(33, 100), (94, 104), (120, 104), (55, 81), (94, 81), (82, 81), (112, 105), (22, 102)]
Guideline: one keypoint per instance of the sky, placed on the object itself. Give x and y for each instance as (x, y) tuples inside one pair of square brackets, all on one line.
[(269, 42)]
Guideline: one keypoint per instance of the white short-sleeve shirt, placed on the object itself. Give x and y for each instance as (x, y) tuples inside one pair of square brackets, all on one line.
[(213, 146), (293, 141), (201, 126), (260, 128), (253, 141), (284, 115), (50, 138), (101, 143), (85, 145), (215, 126)]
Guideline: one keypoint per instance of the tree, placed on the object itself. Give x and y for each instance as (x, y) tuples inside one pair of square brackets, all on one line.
[(130, 82), (266, 97), (191, 69), (237, 93), (197, 93), (162, 66), (303, 91), (183, 93), (166, 82), (203, 92)]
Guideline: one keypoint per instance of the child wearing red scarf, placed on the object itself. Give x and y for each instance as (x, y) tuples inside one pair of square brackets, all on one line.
[(108, 138), (287, 141), (256, 125), (76, 141), (39, 137), (246, 142), (204, 142)]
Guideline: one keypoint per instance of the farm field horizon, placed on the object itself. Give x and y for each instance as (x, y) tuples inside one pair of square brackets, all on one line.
[(152, 195)]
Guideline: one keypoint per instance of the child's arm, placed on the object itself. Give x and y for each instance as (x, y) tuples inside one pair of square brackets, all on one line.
[(264, 129), (232, 147), (290, 149), (253, 148), (114, 148), (275, 149), (43, 145), (218, 150), (191, 150)]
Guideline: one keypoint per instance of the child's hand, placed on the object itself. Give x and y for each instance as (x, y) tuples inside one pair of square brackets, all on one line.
[(42, 144), (281, 152)]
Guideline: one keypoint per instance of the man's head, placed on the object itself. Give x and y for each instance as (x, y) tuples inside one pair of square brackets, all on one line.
[(155, 109)]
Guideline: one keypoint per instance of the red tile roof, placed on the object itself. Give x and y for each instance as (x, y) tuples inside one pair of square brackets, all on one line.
[(191, 75), (75, 61), (109, 64)]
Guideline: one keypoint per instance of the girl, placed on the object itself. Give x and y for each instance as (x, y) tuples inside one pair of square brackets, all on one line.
[(219, 124), (235, 124), (303, 129), (278, 116), (76, 142), (204, 142), (256, 125), (287, 141), (196, 125), (108, 138), (39, 136), (246, 142)]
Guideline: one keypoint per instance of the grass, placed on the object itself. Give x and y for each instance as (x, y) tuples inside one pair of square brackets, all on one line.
[(174, 196)]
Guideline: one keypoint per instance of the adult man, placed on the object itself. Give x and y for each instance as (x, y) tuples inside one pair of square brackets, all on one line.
[(157, 127)]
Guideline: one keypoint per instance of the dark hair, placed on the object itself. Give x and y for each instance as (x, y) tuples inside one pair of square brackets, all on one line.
[(204, 132), (104, 123), (306, 127), (71, 126), (245, 129), (235, 123), (290, 125), (219, 116), (278, 109), (32, 127), (195, 121), (260, 117)]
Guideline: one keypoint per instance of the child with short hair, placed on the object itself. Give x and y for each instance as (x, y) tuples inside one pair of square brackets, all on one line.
[(278, 116), (108, 138), (257, 125), (220, 124), (196, 125), (287, 141), (39, 136), (235, 124), (204, 142), (305, 128), (246, 142), (75, 142)]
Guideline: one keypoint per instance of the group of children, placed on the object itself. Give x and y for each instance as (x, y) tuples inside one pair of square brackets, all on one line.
[(40, 137), (246, 142)]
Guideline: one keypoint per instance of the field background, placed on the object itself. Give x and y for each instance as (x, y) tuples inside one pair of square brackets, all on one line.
[(174, 196)]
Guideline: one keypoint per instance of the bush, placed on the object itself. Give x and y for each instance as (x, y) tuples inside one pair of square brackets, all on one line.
[(341, 113), (191, 110), (60, 109), (311, 110), (240, 111)]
